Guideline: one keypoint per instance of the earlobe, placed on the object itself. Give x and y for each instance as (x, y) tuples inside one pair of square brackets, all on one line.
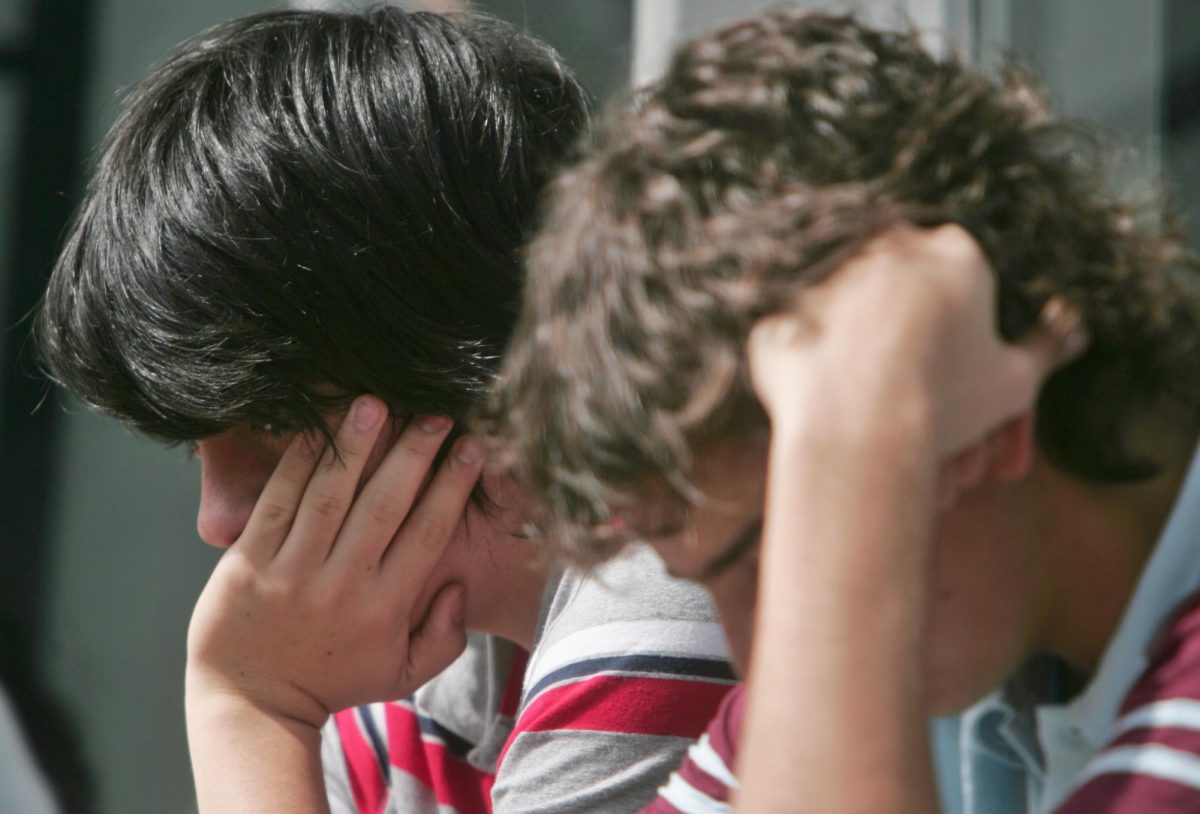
[(1012, 448)]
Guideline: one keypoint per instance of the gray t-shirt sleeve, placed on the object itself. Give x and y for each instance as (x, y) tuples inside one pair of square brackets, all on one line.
[(573, 772), (628, 667)]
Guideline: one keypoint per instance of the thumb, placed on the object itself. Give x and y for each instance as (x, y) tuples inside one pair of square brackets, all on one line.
[(1012, 447), (440, 638)]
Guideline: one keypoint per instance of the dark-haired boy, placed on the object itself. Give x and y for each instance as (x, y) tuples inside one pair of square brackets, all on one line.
[(761, 324), (296, 209)]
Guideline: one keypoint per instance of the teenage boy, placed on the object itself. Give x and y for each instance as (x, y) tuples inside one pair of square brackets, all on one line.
[(296, 209), (762, 331)]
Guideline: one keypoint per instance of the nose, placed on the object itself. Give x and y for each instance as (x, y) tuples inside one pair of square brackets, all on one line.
[(234, 468)]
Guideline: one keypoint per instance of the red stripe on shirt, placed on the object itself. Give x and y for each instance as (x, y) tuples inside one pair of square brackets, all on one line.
[(453, 781), (626, 704), (1174, 665), (1178, 677), (723, 733), (630, 705), (1185, 740), (1129, 794), (362, 765), (1172, 674), (703, 782)]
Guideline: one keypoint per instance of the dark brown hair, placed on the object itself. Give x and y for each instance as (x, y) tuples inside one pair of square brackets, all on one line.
[(301, 206), (769, 153)]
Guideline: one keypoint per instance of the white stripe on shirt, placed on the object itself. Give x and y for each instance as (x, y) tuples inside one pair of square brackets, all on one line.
[(657, 637), (689, 799), (710, 762), (1150, 760), (1178, 713)]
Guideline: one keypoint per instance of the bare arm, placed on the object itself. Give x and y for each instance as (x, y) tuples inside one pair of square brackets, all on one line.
[(839, 629), (903, 371)]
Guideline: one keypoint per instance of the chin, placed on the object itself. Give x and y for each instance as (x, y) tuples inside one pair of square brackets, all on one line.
[(941, 707), (951, 691)]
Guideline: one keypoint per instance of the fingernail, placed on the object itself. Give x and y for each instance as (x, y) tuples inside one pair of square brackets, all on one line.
[(433, 424), (368, 413), (469, 451)]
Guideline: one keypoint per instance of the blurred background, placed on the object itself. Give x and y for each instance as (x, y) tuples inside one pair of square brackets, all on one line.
[(99, 558)]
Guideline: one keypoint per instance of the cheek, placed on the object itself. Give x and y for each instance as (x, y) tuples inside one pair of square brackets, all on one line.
[(490, 564), (980, 609)]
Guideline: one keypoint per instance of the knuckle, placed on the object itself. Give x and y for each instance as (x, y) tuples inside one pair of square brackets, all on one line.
[(431, 532), (274, 515), (328, 594), (379, 509), (328, 504), (238, 572), (955, 242), (282, 591)]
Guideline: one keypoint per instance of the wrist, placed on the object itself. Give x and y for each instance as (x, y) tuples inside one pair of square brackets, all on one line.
[(866, 419), (212, 697), (212, 713), (247, 758)]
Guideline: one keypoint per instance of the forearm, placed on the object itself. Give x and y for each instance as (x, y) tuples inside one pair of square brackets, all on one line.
[(835, 718), (246, 760)]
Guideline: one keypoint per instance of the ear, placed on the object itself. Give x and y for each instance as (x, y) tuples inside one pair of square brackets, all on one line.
[(1011, 448), (1059, 337)]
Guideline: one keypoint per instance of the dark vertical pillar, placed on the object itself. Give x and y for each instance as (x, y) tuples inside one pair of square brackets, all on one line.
[(50, 66), (1181, 110), (48, 172)]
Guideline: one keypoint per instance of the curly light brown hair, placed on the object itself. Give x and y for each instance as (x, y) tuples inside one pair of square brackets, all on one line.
[(768, 154)]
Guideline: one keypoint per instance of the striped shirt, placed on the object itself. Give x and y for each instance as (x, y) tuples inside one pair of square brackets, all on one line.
[(628, 667), (1128, 744), (1031, 752), (704, 782), (1150, 765), (1151, 762)]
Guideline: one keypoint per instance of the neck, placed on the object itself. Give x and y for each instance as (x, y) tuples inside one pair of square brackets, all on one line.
[(516, 599), (1098, 538)]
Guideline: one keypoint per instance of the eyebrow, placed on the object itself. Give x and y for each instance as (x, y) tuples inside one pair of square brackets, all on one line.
[(730, 556)]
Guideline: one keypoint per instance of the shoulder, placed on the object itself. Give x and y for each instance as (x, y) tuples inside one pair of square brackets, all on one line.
[(629, 633), (1152, 759), (627, 669)]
